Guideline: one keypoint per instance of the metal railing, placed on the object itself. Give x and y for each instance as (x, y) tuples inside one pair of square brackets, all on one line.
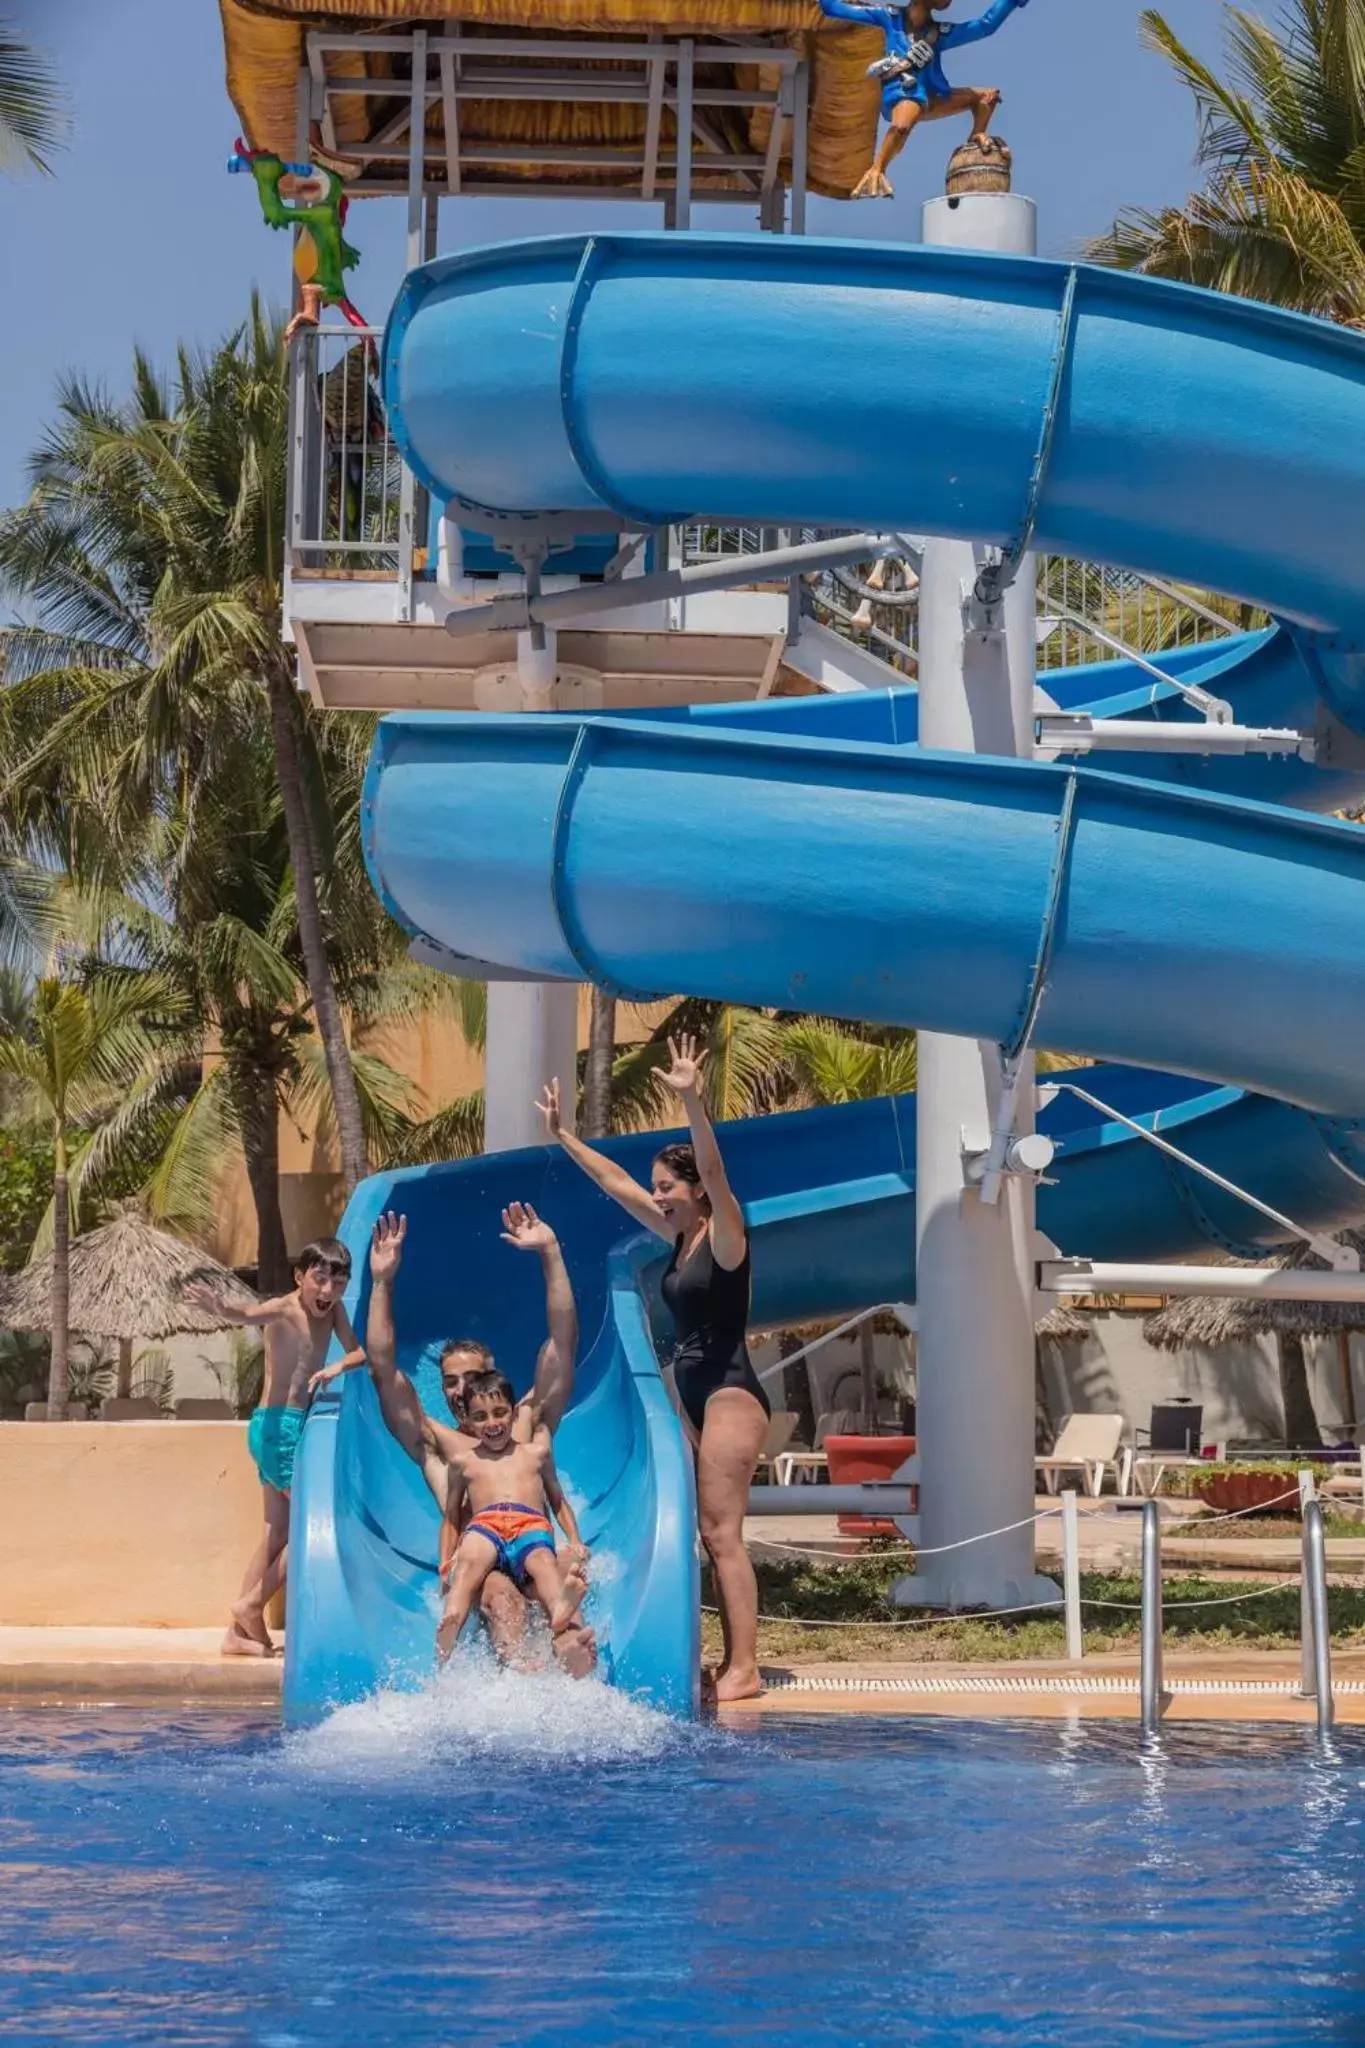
[(354, 509), (1143, 612), (1078, 602), (1315, 1630), (346, 477)]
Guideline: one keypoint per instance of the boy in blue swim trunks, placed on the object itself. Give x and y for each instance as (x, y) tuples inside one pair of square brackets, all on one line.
[(298, 1330), (508, 1485), (914, 85)]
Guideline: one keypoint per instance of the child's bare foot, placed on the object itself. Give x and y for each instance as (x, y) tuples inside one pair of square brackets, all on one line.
[(737, 1684), (247, 1634), (576, 1652), (571, 1592)]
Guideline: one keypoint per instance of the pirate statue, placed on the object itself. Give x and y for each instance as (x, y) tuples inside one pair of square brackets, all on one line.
[(911, 76)]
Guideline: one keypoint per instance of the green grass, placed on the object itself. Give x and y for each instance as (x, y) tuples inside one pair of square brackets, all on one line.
[(856, 1598), (1275, 1526)]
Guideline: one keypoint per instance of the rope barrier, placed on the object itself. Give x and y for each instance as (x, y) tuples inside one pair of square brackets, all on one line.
[(924, 1621), (1220, 1600)]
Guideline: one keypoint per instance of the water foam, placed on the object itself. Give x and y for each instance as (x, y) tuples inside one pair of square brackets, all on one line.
[(476, 1706)]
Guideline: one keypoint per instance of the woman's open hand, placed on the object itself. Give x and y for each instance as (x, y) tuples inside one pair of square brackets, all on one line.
[(684, 1075), (549, 1108)]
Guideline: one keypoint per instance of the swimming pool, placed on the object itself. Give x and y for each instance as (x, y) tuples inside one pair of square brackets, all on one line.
[(523, 1862)]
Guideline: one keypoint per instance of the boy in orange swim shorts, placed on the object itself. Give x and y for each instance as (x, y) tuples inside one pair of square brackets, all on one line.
[(508, 1488)]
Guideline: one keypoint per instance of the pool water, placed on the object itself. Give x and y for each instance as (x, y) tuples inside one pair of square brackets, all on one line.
[(507, 1862)]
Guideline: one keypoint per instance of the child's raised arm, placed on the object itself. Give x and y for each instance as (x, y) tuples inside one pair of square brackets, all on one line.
[(205, 1298)]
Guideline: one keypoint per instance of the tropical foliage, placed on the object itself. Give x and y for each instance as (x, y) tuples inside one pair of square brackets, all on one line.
[(146, 822), (1282, 134), (32, 112), (152, 550), (98, 1056)]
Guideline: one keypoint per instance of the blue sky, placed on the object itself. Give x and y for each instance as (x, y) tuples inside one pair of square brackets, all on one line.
[(143, 238)]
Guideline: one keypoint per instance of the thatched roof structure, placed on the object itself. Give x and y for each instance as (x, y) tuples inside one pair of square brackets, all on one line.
[(264, 48), (1206, 1321), (1062, 1325), (127, 1281)]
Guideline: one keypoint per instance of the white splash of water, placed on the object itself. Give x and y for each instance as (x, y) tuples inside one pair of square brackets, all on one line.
[(476, 1707)]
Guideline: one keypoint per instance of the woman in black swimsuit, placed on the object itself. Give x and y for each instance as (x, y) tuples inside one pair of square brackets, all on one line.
[(691, 1205)]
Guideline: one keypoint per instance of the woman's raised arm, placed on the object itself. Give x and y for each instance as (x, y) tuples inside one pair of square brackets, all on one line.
[(728, 1234), (611, 1178)]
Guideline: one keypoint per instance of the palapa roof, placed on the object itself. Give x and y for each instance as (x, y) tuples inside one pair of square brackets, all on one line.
[(1203, 1322), (265, 50), (1062, 1325), (127, 1280)]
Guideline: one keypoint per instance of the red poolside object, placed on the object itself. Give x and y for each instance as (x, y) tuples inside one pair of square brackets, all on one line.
[(853, 1460)]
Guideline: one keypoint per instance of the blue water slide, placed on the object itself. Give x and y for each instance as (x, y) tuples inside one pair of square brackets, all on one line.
[(817, 860), (845, 384)]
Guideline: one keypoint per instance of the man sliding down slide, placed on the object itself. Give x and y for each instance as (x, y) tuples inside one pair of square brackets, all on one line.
[(914, 87), (464, 1360)]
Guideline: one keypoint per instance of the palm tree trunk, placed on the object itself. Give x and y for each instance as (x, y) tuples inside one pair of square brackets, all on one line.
[(326, 1008), (59, 1376), (259, 1108), (596, 1121), (1301, 1431)]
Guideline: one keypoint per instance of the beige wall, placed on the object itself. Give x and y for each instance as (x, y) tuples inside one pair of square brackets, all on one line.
[(433, 1054), (124, 1524)]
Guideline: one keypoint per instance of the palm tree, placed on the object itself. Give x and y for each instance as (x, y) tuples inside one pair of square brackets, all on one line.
[(93, 1055), (595, 1120), (1282, 216), (835, 1062), (153, 549), (32, 118), (219, 926)]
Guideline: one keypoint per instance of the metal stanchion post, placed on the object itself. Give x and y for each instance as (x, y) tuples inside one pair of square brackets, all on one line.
[(1315, 1604), (1154, 1698), (1071, 1578), (1307, 1492)]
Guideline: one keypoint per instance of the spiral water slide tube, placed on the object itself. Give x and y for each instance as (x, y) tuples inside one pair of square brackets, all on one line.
[(806, 854)]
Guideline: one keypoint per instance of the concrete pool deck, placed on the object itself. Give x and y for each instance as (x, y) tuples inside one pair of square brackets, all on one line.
[(1109, 1539), (139, 1666)]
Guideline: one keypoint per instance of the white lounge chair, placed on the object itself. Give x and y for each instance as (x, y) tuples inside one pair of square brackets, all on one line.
[(810, 1464), (781, 1429), (1090, 1445)]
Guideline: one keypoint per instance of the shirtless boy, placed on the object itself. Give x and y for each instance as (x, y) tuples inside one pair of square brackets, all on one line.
[(298, 1328), (508, 1486), (462, 1358)]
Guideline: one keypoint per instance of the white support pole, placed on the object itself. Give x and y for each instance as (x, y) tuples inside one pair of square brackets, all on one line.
[(975, 1259), (532, 1038), (532, 1034)]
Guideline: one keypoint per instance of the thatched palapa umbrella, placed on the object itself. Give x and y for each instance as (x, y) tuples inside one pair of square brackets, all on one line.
[(128, 1281), (1207, 1321), (1062, 1325)]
